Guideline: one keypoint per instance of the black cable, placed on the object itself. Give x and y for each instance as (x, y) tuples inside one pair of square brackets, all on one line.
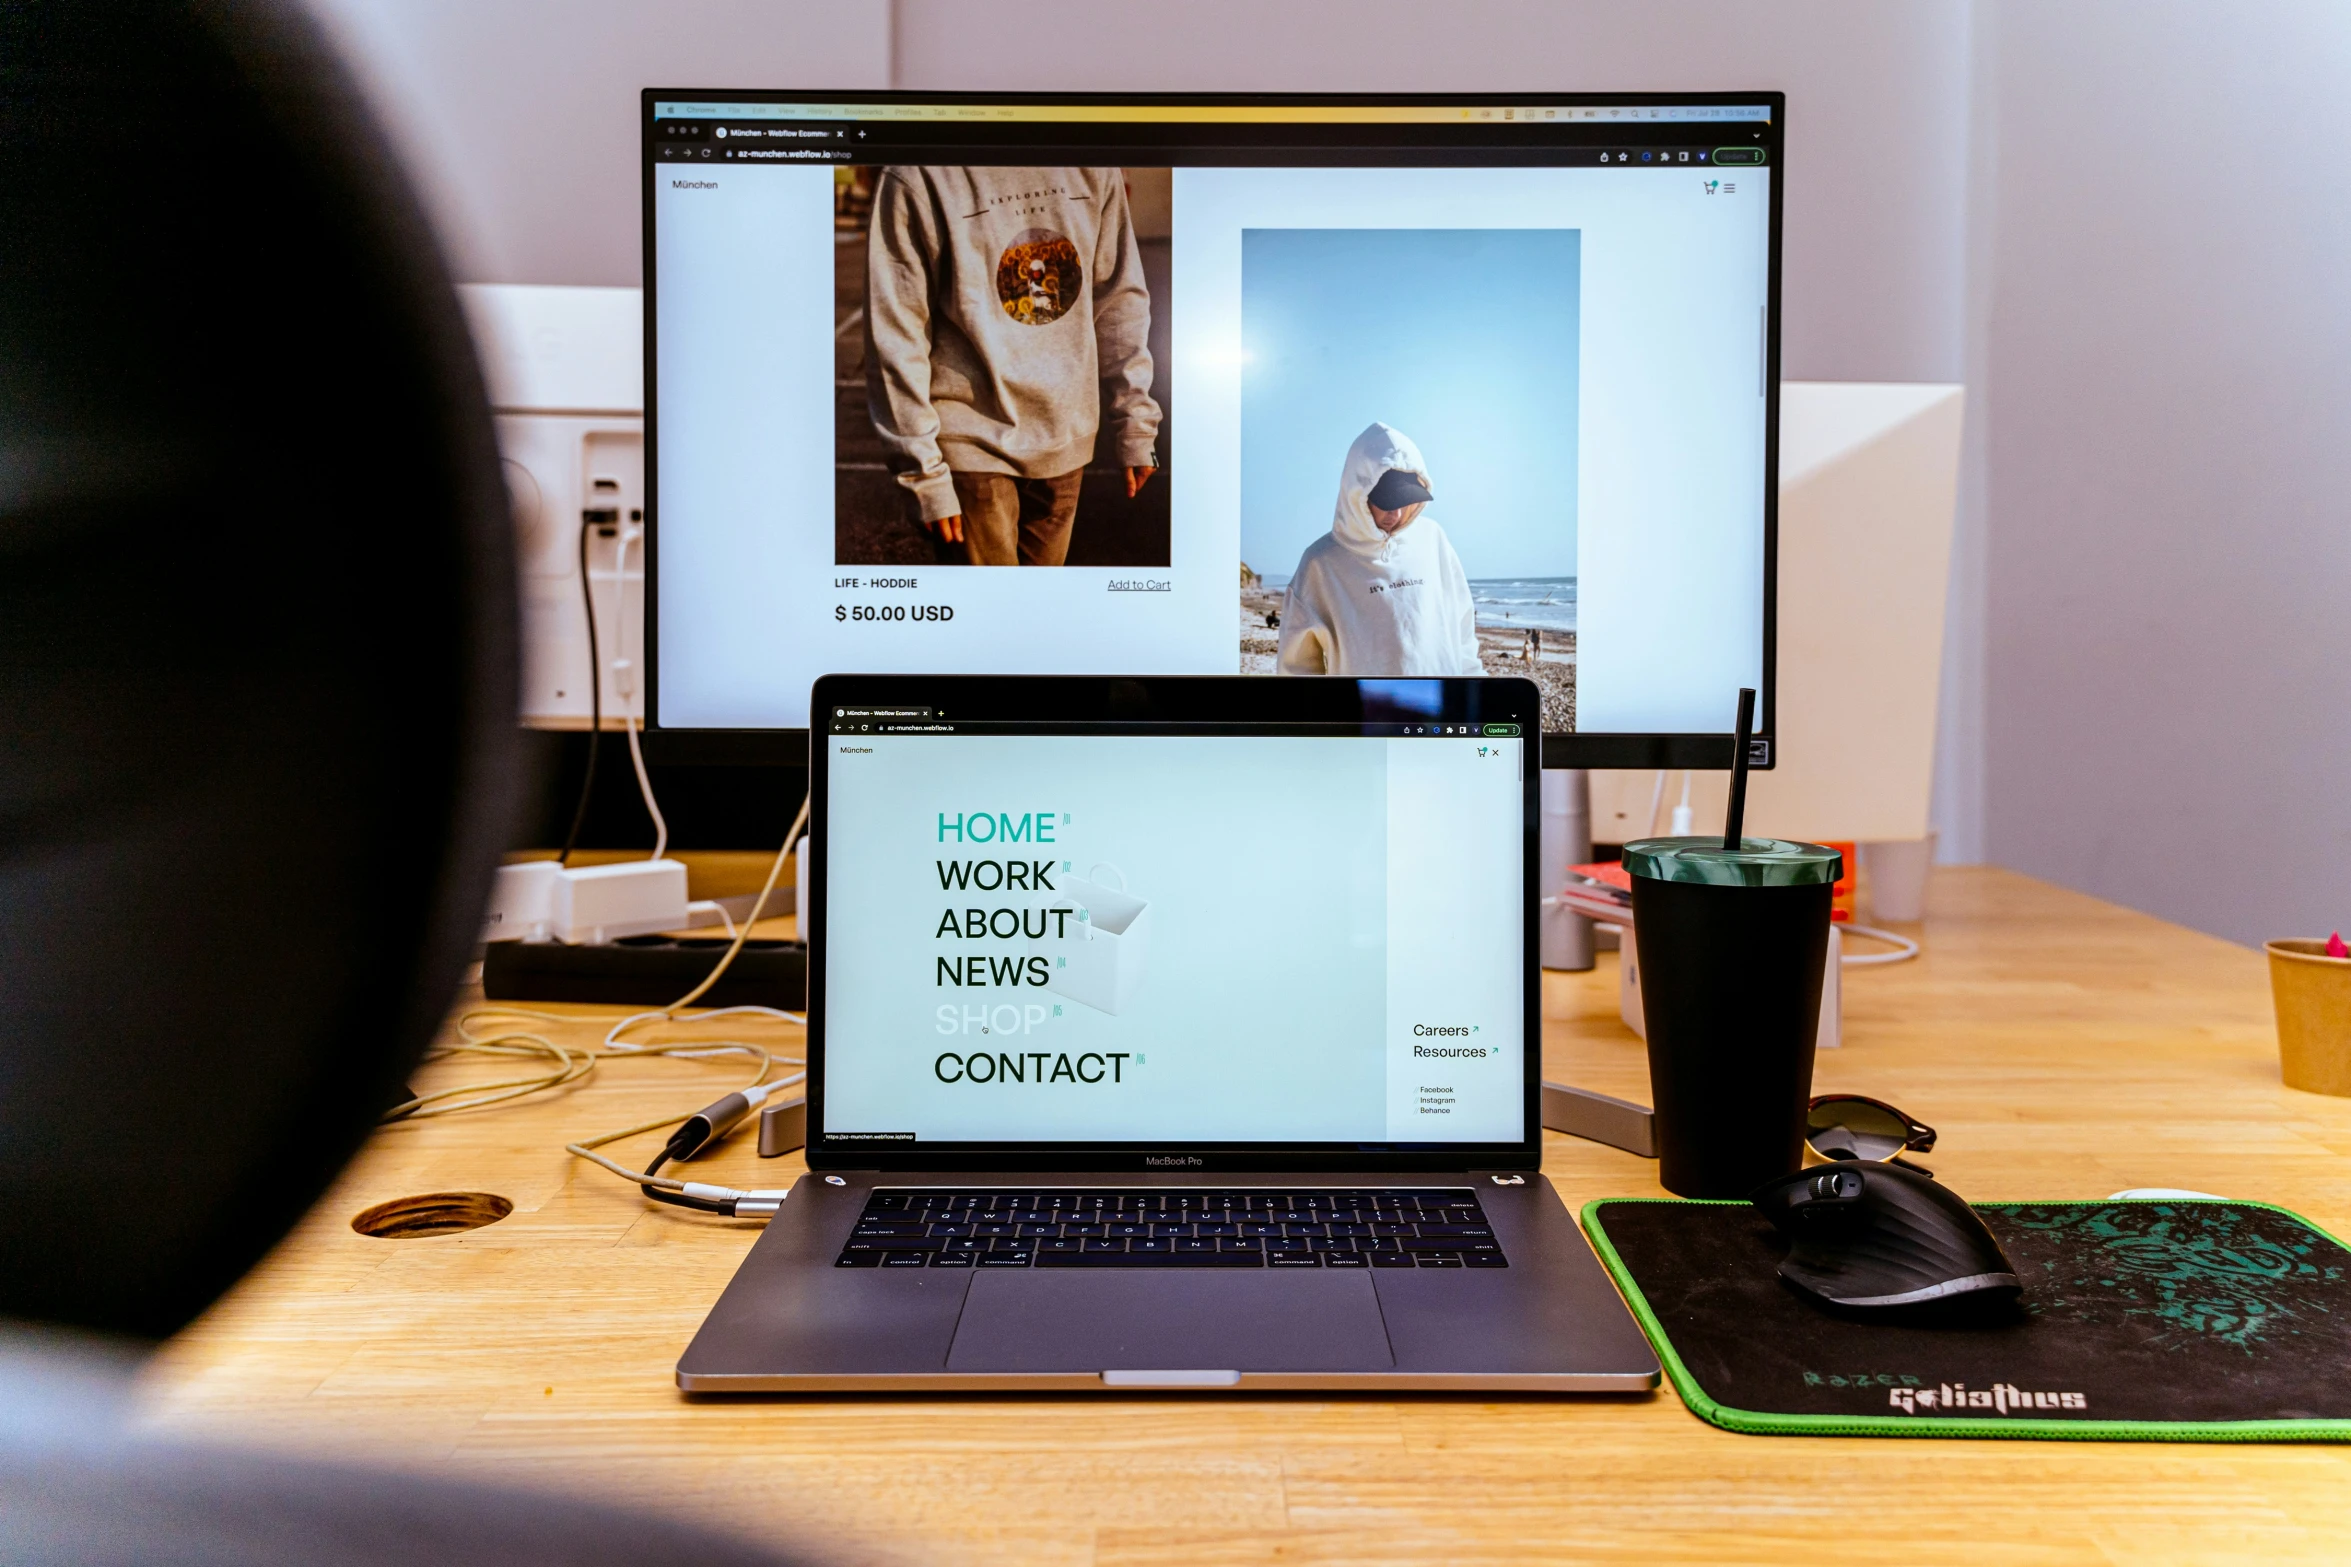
[(679, 1199), (579, 813)]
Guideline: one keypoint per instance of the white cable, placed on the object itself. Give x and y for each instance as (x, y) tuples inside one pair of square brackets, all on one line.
[(613, 1041), (1656, 801), (624, 679), (717, 908), (1905, 947), (1681, 812)]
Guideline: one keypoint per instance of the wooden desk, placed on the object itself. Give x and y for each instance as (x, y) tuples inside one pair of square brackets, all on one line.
[(2064, 1048)]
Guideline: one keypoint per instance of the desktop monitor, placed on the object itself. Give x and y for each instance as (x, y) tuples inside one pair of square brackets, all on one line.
[(1347, 385)]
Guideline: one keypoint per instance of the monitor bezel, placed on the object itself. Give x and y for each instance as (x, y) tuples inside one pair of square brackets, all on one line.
[(790, 747), (1165, 698)]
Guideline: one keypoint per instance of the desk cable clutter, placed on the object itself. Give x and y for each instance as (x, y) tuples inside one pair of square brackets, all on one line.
[(697, 1130), (552, 901)]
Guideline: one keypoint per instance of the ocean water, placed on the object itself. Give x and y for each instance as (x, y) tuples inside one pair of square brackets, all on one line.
[(1513, 603)]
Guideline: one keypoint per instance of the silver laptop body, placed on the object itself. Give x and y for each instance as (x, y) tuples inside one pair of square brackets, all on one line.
[(1172, 1033)]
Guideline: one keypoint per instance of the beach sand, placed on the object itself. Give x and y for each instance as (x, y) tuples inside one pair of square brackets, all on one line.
[(1503, 652)]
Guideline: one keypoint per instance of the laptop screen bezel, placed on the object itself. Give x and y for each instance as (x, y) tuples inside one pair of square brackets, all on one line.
[(1193, 699)]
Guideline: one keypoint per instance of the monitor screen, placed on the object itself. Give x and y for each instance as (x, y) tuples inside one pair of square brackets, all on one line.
[(1200, 919), (1370, 387)]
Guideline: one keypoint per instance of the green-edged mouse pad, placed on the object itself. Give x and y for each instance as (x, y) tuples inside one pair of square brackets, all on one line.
[(2144, 1321)]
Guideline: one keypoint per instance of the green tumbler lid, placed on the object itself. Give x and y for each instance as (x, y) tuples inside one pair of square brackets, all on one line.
[(1756, 862)]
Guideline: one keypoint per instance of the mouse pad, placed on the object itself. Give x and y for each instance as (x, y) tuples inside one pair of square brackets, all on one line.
[(2148, 1320)]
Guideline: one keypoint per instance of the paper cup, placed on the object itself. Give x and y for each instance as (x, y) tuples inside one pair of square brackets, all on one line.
[(2313, 996)]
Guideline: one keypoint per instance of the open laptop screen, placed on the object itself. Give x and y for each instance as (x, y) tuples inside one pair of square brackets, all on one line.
[(1215, 920)]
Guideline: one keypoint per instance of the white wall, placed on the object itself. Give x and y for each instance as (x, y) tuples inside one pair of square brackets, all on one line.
[(519, 117), (1877, 122), (2168, 371), (2116, 220)]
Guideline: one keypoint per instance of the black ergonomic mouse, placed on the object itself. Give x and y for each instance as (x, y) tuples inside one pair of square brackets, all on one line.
[(1874, 1235)]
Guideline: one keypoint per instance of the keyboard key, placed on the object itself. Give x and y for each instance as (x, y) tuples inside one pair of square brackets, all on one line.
[(1397, 1227)]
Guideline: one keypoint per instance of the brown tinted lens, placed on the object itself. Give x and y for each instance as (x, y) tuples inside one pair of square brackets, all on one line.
[(1857, 1115), (1843, 1142)]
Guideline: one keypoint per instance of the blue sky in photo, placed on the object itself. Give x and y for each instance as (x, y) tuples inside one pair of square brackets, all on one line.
[(1464, 339)]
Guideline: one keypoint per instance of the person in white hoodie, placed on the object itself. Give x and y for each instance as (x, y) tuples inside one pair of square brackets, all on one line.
[(1382, 593)]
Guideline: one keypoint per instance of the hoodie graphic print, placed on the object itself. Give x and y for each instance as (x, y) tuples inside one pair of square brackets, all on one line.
[(1006, 322), (1373, 604)]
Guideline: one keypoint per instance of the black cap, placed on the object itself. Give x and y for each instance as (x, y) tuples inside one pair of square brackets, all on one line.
[(1397, 489)]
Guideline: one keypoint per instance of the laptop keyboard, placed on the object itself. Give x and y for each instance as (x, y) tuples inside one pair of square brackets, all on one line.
[(1094, 1227)]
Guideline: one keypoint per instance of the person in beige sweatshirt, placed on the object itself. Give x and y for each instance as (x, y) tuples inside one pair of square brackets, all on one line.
[(1006, 317)]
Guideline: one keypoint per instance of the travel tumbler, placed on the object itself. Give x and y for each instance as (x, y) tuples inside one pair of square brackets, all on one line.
[(1732, 944)]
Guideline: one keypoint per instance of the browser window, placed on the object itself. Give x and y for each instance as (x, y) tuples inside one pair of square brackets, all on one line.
[(1173, 933), (1382, 388)]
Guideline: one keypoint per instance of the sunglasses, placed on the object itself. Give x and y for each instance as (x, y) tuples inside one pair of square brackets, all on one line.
[(1848, 1126)]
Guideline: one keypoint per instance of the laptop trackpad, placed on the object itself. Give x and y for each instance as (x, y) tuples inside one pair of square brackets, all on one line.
[(1170, 1319)]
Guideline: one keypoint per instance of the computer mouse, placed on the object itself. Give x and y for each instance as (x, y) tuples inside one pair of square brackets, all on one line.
[(1868, 1235)]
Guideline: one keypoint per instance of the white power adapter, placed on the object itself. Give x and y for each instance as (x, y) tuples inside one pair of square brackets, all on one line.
[(538, 900), (600, 903), (520, 899)]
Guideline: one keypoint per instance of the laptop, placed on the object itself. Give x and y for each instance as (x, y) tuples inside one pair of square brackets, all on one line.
[(1172, 1033)]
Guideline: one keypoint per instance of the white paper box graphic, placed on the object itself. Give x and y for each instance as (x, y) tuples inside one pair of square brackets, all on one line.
[(1099, 960)]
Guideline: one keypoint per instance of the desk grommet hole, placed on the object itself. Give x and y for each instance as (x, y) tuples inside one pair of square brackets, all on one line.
[(433, 1213)]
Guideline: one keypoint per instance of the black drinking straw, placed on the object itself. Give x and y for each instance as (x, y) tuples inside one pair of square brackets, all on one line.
[(1736, 821)]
